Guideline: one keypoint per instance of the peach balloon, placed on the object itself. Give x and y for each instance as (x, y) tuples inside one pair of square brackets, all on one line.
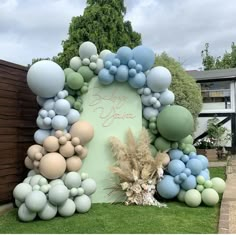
[(32, 150), (73, 163), (62, 140), (29, 163), (83, 153), (67, 150), (51, 144), (52, 165), (58, 133), (68, 136), (75, 141), (83, 130)]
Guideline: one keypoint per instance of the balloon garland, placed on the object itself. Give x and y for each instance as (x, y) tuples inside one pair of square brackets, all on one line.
[(55, 183)]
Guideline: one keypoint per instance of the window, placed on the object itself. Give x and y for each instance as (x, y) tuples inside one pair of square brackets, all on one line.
[(217, 96)]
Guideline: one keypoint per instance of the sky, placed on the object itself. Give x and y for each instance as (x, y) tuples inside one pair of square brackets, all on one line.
[(35, 28)]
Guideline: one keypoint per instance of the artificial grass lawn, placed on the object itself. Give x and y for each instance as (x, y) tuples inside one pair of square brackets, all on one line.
[(118, 218)]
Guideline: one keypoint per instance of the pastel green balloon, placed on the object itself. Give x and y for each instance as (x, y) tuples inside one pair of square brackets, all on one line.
[(86, 72), (181, 195), (210, 197), (153, 150), (208, 184), (218, 184), (193, 198), (200, 180), (188, 148), (75, 81), (200, 187), (175, 123)]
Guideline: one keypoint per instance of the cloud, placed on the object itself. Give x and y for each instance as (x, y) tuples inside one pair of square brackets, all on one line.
[(182, 27), (179, 27), (35, 30)]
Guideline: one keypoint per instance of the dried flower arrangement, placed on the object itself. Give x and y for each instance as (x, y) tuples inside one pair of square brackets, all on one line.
[(138, 171)]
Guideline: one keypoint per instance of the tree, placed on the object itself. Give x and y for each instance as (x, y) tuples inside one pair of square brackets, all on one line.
[(103, 24), (227, 61), (186, 90)]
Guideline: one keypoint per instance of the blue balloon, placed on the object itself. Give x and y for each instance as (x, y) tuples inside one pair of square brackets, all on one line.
[(203, 160), (175, 167), (139, 68), (177, 179), (116, 62), (195, 166), (109, 57), (132, 72), (124, 54), (113, 70), (108, 64), (132, 64), (167, 188), (144, 56), (175, 154), (138, 81), (183, 176), (205, 174), (122, 73), (187, 171), (192, 155), (105, 77), (185, 158), (189, 183)]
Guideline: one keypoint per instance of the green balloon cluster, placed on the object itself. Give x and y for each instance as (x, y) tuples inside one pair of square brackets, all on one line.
[(82, 69), (38, 196), (206, 191)]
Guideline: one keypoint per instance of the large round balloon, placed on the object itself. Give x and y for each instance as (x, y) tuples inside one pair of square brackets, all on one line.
[(175, 122), (144, 56), (167, 187), (87, 49), (159, 79), (45, 78)]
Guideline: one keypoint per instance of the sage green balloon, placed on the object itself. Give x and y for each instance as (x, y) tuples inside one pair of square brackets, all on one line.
[(48, 212), (67, 71), (82, 203), (75, 81), (25, 214), (188, 148), (153, 150), (162, 144), (181, 195), (187, 140), (21, 191), (175, 123), (218, 184), (86, 72)]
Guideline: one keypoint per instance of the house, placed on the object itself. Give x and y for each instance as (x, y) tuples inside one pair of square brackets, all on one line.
[(218, 92)]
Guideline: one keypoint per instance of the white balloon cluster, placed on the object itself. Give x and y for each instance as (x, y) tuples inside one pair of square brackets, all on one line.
[(38, 196), (156, 95)]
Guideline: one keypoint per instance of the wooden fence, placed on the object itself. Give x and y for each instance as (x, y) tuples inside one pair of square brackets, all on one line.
[(18, 112)]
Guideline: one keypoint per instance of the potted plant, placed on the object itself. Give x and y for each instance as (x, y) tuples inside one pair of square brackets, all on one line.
[(213, 145)]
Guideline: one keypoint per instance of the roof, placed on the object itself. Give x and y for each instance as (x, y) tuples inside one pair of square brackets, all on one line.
[(217, 75)]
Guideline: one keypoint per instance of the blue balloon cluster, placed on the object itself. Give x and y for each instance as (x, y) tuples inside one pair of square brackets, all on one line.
[(182, 172), (154, 102), (56, 114), (127, 65)]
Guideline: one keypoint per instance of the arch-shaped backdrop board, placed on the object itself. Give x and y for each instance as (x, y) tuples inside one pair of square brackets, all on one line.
[(112, 110)]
